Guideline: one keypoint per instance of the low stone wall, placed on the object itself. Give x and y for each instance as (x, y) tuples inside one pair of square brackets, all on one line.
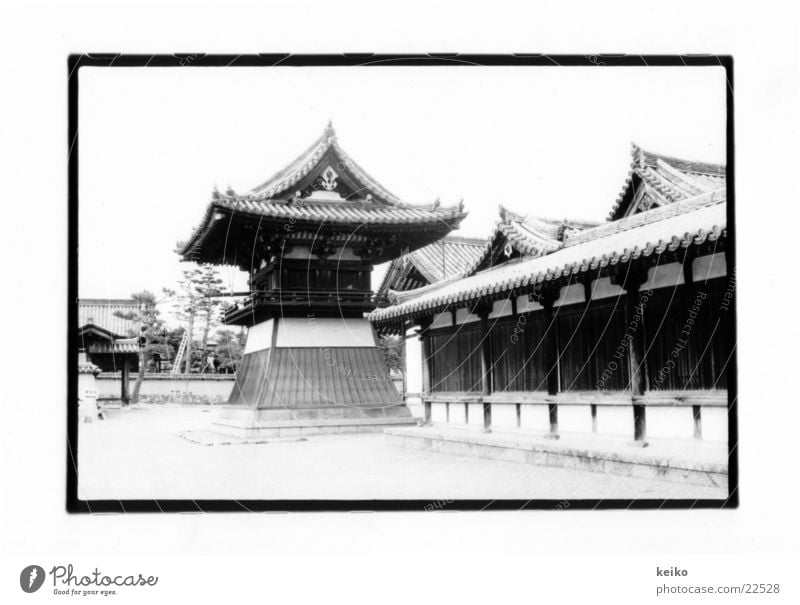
[(178, 388)]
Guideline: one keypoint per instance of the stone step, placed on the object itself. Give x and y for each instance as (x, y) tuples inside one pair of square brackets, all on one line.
[(700, 464)]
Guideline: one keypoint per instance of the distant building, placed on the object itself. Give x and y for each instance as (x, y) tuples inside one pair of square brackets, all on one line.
[(446, 258), (101, 312), (110, 342)]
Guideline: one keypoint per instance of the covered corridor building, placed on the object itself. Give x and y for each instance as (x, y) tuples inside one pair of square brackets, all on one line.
[(623, 328)]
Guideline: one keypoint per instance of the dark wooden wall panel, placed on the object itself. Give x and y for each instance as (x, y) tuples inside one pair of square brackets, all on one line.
[(456, 361), (593, 347), (509, 355), (688, 344), (537, 327)]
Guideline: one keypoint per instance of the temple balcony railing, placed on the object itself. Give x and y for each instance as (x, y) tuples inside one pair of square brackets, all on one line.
[(353, 301)]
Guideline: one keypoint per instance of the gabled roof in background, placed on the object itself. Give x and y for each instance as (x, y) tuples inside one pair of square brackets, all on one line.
[(122, 346), (529, 236), (96, 339), (658, 180), (322, 185), (535, 235), (87, 331), (441, 260), (100, 313), (681, 224)]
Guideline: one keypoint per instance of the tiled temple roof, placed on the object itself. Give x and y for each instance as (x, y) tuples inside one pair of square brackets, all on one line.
[(441, 260), (533, 235), (681, 224), (530, 235), (350, 197), (100, 312), (285, 181), (119, 346), (96, 339), (348, 212), (657, 180)]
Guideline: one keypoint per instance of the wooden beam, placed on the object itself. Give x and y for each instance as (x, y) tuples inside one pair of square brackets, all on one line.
[(634, 277), (687, 263), (698, 421), (486, 375), (586, 281), (125, 379), (426, 368), (550, 350), (550, 342)]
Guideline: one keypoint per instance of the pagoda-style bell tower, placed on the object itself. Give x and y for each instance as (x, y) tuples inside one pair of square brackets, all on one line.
[(309, 238)]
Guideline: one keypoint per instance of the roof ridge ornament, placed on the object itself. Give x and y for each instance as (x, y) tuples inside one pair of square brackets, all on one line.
[(328, 179), (637, 155), (564, 229), (330, 131)]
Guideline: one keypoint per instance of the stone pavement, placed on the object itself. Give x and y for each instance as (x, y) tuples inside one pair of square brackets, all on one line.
[(138, 453)]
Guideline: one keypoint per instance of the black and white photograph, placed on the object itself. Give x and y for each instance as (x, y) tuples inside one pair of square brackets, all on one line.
[(378, 303), (415, 281)]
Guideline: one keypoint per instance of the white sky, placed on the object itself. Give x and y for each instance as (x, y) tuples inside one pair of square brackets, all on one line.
[(552, 141)]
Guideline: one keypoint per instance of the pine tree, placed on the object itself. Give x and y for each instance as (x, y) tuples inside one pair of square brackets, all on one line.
[(209, 287), (151, 329), (198, 303), (186, 310)]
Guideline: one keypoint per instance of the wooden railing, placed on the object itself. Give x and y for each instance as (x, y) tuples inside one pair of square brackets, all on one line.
[(294, 297)]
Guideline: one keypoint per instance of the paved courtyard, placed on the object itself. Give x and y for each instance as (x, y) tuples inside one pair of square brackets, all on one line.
[(138, 453)]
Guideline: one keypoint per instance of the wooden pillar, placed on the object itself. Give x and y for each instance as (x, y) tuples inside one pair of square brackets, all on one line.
[(426, 369), (635, 348), (124, 383), (550, 350), (634, 277), (404, 327), (486, 373), (586, 281), (688, 279), (727, 311), (698, 421)]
